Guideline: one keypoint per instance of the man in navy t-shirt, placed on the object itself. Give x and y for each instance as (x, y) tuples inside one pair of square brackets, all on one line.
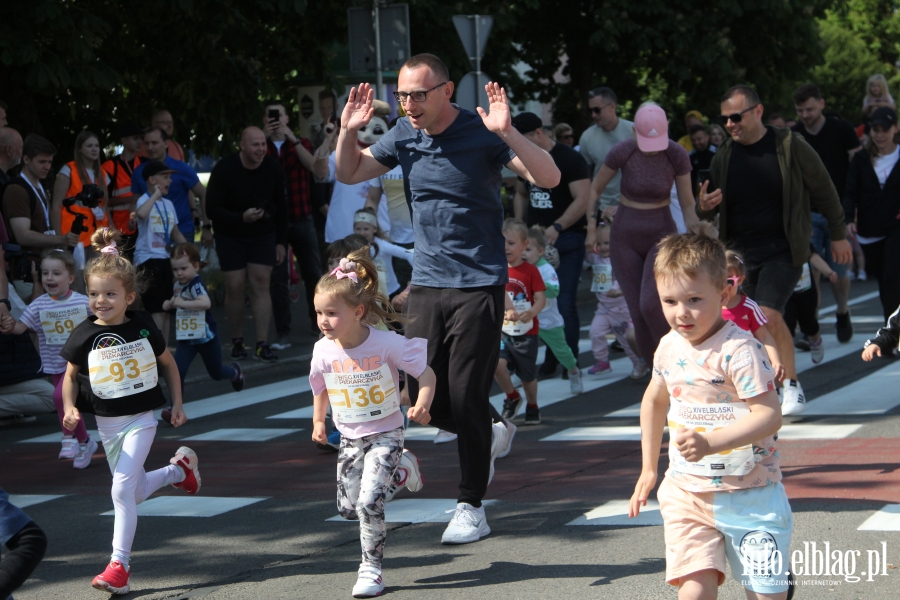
[(184, 180), (451, 160)]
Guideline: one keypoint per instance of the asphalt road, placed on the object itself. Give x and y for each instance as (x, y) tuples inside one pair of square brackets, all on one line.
[(556, 503)]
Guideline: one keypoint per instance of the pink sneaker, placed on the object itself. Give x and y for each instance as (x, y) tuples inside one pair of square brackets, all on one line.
[(114, 579), (601, 367), (187, 460)]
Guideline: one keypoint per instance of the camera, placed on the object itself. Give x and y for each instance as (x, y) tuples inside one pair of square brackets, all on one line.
[(19, 262), (89, 196)]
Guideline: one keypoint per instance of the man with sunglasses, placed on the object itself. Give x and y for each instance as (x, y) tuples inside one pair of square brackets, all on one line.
[(597, 140), (762, 182), (452, 161)]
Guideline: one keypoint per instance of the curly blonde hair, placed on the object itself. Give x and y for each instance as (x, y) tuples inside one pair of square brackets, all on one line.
[(113, 264), (364, 292)]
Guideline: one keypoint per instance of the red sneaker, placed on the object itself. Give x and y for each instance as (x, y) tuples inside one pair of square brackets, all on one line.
[(113, 580), (187, 460)]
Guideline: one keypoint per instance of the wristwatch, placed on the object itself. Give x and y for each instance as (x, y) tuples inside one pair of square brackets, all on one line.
[(208, 226), (6, 302), (557, 227)]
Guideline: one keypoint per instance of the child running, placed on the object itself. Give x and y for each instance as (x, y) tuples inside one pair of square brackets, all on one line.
[(612, 314), (886, 339), (551, 331), (354, 368), (115, 358), (365, 223), (519, 335), (195, 328), (53, 316), (722, 494), (802, 307)]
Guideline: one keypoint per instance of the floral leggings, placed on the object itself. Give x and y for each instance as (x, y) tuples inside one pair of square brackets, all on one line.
[(365, 470)]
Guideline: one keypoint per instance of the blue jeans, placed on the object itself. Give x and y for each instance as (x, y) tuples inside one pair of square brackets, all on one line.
[(210, 352), (821, 241), (570, 245)]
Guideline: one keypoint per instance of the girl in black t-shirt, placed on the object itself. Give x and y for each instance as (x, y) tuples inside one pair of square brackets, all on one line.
[(118, 354)]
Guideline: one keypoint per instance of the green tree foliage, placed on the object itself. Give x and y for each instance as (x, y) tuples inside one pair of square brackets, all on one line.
[(66, 66)]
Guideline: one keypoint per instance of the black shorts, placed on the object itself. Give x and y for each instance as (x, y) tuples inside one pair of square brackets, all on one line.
[(158, 279), (520, 352), (770, 278), (234, 252)]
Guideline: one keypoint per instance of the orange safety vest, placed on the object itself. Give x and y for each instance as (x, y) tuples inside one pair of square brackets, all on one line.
[(120, 172), (90, 221)]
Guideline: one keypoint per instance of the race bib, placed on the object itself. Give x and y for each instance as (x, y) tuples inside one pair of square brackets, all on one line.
[(805, 280), (119, 371), (190, 324), (603, 280), (156, 223), (706, 418), (58, 324), (518, 327), (362, 396)]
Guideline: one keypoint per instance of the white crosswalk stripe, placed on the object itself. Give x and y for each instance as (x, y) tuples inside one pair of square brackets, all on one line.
[(189, 506), (417, 510), (26, 500), (886, 519), (615, 513), (240, 435)]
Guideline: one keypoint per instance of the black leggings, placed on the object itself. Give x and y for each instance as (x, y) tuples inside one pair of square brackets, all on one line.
[(801, 308), (26, 549), (882, 263)]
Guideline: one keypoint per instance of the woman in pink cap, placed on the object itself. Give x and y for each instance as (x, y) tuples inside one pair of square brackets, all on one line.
[(650, 163)]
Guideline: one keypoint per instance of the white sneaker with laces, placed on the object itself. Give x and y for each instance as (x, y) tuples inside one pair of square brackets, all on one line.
[(817, 350), (793, 401), (499, 444), (407, 475), (512, 433), (368, 582), (640, 370), (469, 524), (85, 452), (575, 384), (69, 447), (443, 437)]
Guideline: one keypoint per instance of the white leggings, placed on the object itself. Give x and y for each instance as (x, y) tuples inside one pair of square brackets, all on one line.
[(127, 441)]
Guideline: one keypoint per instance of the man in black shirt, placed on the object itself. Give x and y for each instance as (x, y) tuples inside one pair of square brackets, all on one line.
[(835, 142), (245, 200), (764, 180), (560, 211), (702, 154)]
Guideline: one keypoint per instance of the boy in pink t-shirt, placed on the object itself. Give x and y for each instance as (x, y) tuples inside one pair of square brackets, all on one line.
[(722, 495)]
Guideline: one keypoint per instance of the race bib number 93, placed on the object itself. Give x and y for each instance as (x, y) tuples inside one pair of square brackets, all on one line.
[(119, 371)]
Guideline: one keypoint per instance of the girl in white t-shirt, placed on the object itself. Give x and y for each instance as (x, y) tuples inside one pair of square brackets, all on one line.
[(53, 316), (365, 223), (354, 368)]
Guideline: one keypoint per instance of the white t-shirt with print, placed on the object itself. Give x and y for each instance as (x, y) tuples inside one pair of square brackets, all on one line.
[(152, 238)]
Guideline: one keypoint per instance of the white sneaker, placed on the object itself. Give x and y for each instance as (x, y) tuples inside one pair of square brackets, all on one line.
[(512, 433), (369, 582), (793, 401), (469, 524), (640, 370), (575, 384), (817, 350), (499, 444), (443, 437), (85, 452), (69, 447), (407, 475)]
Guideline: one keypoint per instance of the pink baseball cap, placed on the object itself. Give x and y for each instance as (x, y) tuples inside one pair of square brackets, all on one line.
[(652, 128)]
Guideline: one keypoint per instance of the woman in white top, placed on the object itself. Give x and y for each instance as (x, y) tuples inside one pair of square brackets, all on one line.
[(872, 205)]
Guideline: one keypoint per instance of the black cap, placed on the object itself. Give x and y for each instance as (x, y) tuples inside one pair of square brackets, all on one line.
[(526, 122), (883, 116), (128, 130), (154, 167)]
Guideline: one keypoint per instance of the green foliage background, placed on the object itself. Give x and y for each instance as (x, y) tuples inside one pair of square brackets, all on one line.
[(66, 65)]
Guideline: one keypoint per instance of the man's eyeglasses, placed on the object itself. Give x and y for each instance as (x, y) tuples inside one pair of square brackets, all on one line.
[(736, 117), (402, 97), (598, 109)]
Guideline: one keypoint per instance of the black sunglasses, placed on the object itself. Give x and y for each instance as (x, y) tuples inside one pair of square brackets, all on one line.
[(736, 117), (598, 109)]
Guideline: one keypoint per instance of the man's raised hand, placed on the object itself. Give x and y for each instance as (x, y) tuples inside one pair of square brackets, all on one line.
[(358, 111), (498, 119)]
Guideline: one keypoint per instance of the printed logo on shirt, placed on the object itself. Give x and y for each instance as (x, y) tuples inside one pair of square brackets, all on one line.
[(108, 340), (145, 333), (351, 365), (540, 198)]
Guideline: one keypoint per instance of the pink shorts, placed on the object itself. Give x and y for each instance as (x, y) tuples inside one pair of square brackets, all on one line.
[(751, 529)]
